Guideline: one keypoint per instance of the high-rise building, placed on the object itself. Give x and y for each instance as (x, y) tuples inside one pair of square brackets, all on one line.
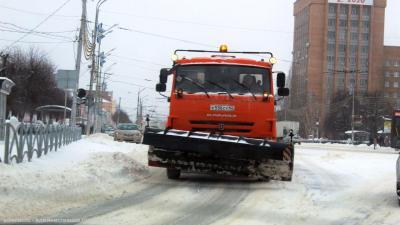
[(338, 45)]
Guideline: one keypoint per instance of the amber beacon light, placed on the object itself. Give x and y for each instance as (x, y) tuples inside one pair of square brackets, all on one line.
[(223, 48)]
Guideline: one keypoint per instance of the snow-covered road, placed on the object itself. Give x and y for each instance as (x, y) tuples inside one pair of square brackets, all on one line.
[(332, 185)]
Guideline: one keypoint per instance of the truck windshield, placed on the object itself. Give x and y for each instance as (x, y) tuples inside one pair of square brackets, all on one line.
[(228, 79)]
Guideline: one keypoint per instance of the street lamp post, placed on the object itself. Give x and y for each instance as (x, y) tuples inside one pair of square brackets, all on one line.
[(93, 68)]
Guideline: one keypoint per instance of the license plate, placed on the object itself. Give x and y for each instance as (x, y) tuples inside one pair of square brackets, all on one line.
[(222, 108)]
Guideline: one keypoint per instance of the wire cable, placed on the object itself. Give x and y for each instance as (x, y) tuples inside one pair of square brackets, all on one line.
[(37, 26), (32, 13)]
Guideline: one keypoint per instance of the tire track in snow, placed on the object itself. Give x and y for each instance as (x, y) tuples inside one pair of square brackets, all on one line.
[(220, 207), (148, 192)]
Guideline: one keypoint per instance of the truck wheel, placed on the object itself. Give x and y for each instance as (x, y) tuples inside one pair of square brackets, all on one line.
[(173, 174)]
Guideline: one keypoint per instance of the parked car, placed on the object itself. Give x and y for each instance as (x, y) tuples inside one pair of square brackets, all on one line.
[(108, 129), (128, 132)]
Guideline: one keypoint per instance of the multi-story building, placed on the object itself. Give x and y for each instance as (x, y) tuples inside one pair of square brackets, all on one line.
[(338, 46), (391, 73)]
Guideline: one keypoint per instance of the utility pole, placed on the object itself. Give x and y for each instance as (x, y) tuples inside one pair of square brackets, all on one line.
[(82, 32), (119, 110), (93, 68), (138, 106)]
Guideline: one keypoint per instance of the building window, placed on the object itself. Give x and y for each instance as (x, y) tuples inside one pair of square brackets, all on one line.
[(396, 84), (365, 37), (387, 84), (396, 74), (364, 62), (352, 60), (354, 23), (342, 48), (332, 22), (387, 63), (365, 49), (355, 10), (332, 8), (342, 36), (367, 11), (342, 23), (344, 9), (332, 35), (396, 64), (386, 95), (354, 36), (366, 24), (341, 60), (353, 49), (363, 82), (387, 74)]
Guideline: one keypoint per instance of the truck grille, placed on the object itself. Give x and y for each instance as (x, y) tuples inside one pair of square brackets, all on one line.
[(227, 123), (228, 126)]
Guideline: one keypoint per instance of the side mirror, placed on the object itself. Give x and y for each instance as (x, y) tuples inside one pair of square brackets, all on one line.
[(164, 75), (161, 87), (283, 91), (280, 80)]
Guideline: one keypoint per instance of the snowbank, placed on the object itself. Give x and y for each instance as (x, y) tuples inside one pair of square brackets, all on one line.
[(93, 168)]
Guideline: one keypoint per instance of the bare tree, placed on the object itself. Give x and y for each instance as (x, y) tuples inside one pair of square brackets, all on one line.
[(33, 74), (123, 117)]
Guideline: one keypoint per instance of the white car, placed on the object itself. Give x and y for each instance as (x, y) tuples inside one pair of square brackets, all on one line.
[(128, 132)]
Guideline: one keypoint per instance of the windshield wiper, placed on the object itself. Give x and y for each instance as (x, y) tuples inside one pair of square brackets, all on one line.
[(245, 87), (197, 84), (223, 88)]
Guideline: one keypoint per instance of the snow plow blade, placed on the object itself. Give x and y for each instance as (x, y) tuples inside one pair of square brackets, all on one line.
[(220, 154)]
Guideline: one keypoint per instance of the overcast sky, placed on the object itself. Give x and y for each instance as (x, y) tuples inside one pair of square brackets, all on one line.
[(157, 27)]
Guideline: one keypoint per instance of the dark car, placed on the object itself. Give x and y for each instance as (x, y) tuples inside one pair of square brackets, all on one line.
[(398, 179)]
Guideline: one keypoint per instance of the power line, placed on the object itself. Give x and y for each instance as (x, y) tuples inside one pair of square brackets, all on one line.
[(37, 26), (137, 60), (165, 37), (54, 37), (32, 12), (198, 23), (127, 83), (41, 32), (181, 40), (38, 42)]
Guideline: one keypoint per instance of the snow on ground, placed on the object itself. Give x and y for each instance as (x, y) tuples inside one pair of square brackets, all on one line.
[(108, 182), (92, 169), (331, 185)]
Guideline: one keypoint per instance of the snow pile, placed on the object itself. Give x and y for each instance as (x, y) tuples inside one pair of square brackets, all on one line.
[(94, 168)]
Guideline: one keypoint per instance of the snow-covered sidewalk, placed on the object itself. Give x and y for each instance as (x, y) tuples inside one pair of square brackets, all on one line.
[(92, 169)]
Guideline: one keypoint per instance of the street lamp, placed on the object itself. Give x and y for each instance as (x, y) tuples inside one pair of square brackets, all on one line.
[(93, 68)]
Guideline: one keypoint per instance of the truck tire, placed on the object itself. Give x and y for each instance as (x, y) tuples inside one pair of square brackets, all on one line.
[(173, 174)]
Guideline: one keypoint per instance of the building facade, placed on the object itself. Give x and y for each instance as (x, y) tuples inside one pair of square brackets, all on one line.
[(391, 74), (338, 47)]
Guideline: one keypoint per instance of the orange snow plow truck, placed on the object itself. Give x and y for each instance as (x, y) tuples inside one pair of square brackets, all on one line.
[(221, 118)]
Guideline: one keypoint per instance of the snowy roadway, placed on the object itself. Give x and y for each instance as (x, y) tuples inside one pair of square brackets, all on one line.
[(105, 182)]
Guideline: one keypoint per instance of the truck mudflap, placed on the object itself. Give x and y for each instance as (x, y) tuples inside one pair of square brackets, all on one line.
[(220, 154)]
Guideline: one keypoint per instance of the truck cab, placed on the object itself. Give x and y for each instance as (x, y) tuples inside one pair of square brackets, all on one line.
[(225, 95)]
